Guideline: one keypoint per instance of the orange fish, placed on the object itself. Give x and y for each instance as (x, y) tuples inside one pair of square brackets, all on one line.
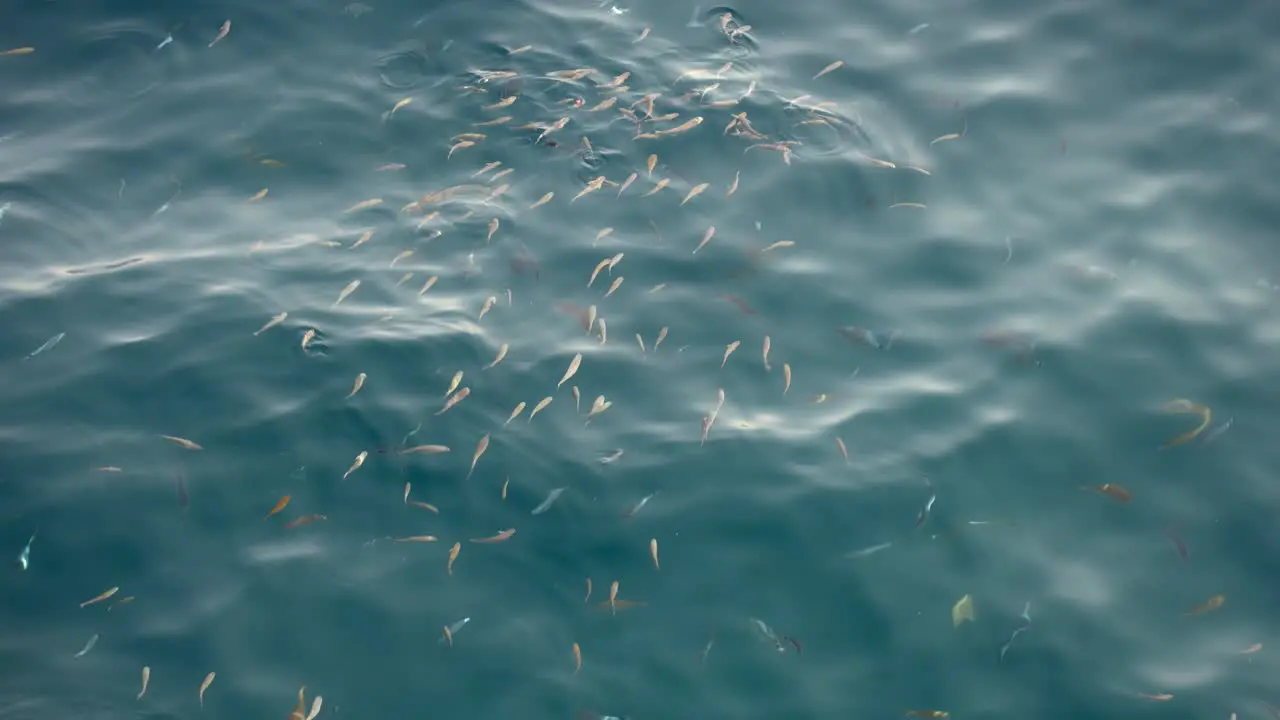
[(279, 506), (1209, 605), (577, 658), (1111, 490), (503, 535)]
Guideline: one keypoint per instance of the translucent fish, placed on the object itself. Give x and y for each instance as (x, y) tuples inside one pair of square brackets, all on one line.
[(48, 345), (454, 628), (88, 646), (546, 504), (962, 611)]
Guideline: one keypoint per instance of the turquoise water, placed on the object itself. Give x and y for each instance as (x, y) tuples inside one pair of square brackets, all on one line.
[(991, 320)]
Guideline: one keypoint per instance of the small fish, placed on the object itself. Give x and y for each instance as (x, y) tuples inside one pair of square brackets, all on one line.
[(627, 183), (24, 557), (282, 503), (453, 383), (1026, 625), (515, 412), (304, 520), (869, 550), (399, 104), (543, 200), (706, 238), (1209, 605), (452, 630), (653, 552), (502, 353), (146, 678), (416, 539), (571, 371), (733, 186), (662, 335), (651, 163), (613, 596), (728, 350), (481, 447), (577, 658), (18, 51), (611, 457), (658, 187), (459, 146), (222, 32), (208, 680), (363, 205), (489, 302), (543, 403), (101, 597), (453, 555), (307, 337), (48, 345), (598, 406), (258, 196), (359, 383), (88, 646), (830, 68), (587, 599), (577, 399), (962, 611), (356, 465), (844, 451), (779, 244), (638, 506), (182, 441), (425, 506), (500, 537), (612, 287), (786, 377), (425, 450), (1115, 492), (455, 399), (550, 500), (695, 192), (346, 291), (274, 321), (493, 228), (765, 353)]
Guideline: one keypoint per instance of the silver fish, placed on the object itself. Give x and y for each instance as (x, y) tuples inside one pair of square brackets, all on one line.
[(48, 345), (88, 646)]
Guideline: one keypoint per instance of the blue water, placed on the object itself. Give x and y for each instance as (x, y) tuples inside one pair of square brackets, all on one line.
[(1091, 237)]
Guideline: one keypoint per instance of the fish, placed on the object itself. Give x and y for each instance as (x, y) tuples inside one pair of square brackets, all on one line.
[(146, 678), (643, 34), (301, 707), (101, 597), (550, 500), (695, 191), (1209, 605), (424, 505), (706, 238), (87, 646), (662, 335), (481, 447), (18, 51), (843, 450), (280, 506), (1184, 406), (346, 292), (502, 353), (786, 377), (587, 599), (48, 345), (612, 287), (768, 343), (598, 406), (728, 350), (658, 187), (499, 537), (359, 383), (452, 630), (537, 408), (416, 539), (767, 633), (304, 520), (519, 408), (638, 506), (454, 400), (611, 457), (356, 464), (871, 550), (543, 200), (222, 33), (425, 450), (613, 596), (1026, 625), (683, 127), (962, 611), (653, 552), (208, 680), (1116, 492), (453, 383), (651, 163), (453, 555), (627, 183), (577, 658), (830, 68), (493, 228), (427, 285), (258, 195), (577, 399), (489, 302), (572, 370), (779, 244), (307, 337), (183, 442), (24, 557), (274, 321)]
